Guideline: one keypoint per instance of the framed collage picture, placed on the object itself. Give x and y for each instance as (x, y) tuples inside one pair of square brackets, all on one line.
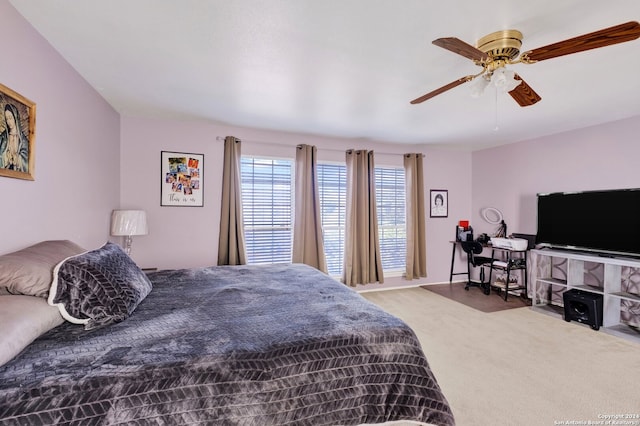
[(181, 179)]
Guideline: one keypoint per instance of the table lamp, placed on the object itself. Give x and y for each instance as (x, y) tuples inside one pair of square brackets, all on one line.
[(128, 223)]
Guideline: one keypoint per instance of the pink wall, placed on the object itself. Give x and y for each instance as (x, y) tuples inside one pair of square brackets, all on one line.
[(188, 236), (90, 161), (509, 177), (77, 147)]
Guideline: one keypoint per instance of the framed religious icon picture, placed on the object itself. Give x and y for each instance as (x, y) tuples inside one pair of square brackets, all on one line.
[(439, 203), (181, 179), (17, 135)]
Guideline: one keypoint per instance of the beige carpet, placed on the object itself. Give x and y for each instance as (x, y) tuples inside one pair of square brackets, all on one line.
[(518, 366), (475, 297)]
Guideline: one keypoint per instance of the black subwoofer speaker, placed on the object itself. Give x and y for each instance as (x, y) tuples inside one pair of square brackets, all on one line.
[(584, 307)]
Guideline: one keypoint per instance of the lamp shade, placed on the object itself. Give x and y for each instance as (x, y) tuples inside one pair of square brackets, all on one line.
[(129, 222)]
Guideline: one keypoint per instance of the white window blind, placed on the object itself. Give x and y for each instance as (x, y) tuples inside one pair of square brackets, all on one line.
[(267, 209), (332, 188), (392, 230)]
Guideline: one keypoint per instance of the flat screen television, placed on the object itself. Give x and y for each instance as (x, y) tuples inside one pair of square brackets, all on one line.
[(605, 221)]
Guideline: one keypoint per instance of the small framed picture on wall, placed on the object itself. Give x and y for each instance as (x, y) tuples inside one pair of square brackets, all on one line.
[(439, 203)]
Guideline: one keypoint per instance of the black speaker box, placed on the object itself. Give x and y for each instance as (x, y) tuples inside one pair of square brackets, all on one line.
[(584, 307)]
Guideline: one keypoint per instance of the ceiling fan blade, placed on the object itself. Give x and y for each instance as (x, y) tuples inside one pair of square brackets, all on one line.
[(523, 94), (442, 89), (461, 48), (606, 37)]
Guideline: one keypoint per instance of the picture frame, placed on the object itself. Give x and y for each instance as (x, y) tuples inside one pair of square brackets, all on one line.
[(439, 202), (17, 135), (181, 179)]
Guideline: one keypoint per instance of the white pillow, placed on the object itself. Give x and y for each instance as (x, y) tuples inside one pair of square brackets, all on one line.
[(23, 319)]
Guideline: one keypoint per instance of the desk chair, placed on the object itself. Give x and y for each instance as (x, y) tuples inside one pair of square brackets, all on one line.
[(473, 248)]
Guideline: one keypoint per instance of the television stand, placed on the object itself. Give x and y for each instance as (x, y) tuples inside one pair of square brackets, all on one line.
[(555, 272)]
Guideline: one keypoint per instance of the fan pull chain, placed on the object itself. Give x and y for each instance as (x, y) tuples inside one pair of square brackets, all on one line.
[(496, 128)]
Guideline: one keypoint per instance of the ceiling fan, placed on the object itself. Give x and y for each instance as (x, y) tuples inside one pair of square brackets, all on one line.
[(497, 50)]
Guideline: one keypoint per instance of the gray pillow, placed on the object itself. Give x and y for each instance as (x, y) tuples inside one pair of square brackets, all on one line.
[(23, 319), (30, 271), (99, 287)]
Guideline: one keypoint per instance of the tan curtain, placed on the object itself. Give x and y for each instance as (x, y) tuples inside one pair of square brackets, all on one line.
[(362, 261), (308, 247), (231, 245), (414, 188)]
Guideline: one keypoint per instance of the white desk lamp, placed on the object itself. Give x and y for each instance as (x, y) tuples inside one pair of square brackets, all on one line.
[(128, 223)]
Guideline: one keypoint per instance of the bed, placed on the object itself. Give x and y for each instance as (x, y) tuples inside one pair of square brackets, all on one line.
[(222, 345)]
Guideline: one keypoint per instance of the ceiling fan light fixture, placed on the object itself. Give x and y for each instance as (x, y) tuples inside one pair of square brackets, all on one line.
[(478, 86), (504, 80)]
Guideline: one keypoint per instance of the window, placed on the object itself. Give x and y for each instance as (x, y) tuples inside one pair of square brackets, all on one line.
[(392, 230), (332, 187), (390, 198), (267, 202), (267, 209)]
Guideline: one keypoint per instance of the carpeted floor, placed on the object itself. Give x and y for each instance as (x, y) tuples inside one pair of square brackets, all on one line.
[(519, 366), (475, 298)]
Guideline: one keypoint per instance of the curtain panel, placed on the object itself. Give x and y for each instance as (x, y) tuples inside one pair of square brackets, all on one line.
[(231, 244), (416, 265), (308, 247), (362, 260)]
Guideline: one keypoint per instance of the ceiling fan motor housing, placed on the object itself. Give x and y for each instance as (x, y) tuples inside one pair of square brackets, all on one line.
[(501, 45)]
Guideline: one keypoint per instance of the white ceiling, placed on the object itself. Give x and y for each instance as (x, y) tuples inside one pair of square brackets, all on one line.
[(344, 68)]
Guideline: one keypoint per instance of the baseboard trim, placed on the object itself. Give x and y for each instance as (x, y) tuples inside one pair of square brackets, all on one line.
[(400, 287)]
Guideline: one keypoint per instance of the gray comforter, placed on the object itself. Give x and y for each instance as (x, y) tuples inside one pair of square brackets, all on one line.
[(234, 345)]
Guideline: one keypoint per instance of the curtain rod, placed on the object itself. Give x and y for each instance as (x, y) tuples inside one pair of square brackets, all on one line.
[(221, 138)]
